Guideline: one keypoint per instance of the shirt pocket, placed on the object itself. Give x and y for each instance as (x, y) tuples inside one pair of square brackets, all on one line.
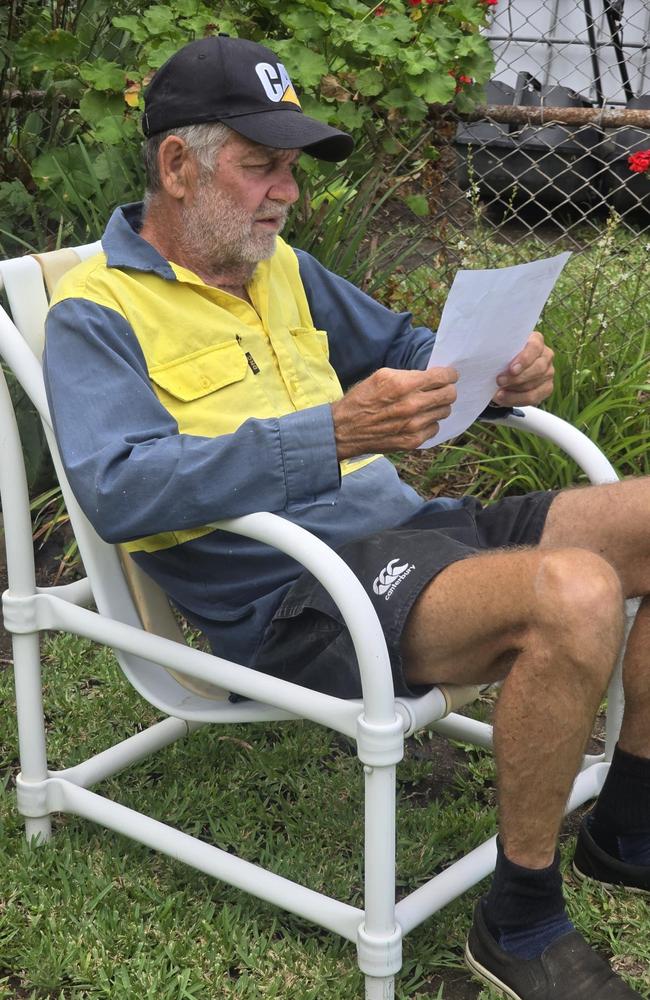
[(204, 391), (313, 352)]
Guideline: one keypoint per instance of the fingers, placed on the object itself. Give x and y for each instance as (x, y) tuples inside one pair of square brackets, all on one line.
[(442, 376), (537, 372), (429, 396), (407, 402), (524, 397), (396, 383), (392, 410), (412, 396), (529, 378), (532, 350), (539, 386), (414, 420)]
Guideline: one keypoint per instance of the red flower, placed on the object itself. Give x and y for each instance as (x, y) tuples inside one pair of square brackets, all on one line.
[(640, 162), (465, 79), (379, 10), (414, 3)]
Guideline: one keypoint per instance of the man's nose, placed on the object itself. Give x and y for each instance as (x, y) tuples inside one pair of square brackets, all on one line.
[(284, 188)]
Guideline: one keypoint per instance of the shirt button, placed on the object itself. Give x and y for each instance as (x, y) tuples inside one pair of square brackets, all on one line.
[(205, 381)]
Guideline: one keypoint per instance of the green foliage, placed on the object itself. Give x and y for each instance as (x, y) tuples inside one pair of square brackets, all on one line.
[(47, 49), (72, 77), (418, 204), (364, 65), (597, 322), (337, 222), (84, 184), (49, 515)]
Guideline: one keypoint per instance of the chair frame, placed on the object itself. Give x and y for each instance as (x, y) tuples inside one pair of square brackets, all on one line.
[(378, 722)]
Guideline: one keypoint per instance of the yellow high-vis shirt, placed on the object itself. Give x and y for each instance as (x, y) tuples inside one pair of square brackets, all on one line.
[(215, 360)]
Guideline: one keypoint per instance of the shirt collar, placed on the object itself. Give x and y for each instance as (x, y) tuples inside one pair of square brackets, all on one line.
[(124, 247)]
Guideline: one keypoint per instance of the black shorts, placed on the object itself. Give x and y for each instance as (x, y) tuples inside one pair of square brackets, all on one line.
[(307, 641)]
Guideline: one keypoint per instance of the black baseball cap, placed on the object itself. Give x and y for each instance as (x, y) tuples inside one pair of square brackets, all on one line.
[(243, 85)]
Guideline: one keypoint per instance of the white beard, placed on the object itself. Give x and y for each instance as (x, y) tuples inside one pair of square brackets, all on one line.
[(220, 234)]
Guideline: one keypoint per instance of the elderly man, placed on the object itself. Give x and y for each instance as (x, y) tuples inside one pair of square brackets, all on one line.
[(200, 368)]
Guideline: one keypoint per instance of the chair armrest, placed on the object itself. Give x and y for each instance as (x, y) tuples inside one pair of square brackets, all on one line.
[(345, 589), (343, 585), (577, 445)]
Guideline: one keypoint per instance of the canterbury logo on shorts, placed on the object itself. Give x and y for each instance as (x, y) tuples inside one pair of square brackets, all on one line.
[(390, 577)]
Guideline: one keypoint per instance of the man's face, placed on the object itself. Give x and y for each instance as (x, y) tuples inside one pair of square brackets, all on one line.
[(236, 212)]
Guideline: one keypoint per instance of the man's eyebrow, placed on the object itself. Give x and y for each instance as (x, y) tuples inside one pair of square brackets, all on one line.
[(272, 152)]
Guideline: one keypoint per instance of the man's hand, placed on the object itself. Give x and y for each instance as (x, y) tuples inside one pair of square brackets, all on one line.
[(528, 378), (392, 410)]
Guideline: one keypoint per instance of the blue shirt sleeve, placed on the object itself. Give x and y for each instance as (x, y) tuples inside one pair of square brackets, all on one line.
[(363, 335), (131, 470)]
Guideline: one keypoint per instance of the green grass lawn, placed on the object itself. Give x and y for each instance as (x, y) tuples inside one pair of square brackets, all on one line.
[(92, 914)]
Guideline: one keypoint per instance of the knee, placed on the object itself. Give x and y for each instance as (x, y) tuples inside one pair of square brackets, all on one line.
[(585, 579), (580, 606)]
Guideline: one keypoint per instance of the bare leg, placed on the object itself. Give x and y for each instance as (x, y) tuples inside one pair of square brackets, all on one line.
[(549, 621), (614, 522)]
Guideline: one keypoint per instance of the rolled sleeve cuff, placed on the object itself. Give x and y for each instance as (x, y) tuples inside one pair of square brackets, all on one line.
[(311, 468)]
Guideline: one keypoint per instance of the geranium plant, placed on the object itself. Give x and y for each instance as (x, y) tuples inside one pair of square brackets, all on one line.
[(639, 162), (372, 67), (356, 62)]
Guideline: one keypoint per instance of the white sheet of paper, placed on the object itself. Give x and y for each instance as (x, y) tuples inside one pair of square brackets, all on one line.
[(487, 319)]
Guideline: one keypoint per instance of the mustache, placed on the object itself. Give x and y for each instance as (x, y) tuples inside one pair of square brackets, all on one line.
[(272, 211)]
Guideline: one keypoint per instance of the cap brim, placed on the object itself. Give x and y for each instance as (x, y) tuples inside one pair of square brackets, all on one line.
[(284, 128)]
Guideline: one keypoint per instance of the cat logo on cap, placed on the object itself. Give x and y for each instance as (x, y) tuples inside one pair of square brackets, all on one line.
[(276, 83)]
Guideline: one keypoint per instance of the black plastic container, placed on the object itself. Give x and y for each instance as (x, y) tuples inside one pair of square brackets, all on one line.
[(549, 165)]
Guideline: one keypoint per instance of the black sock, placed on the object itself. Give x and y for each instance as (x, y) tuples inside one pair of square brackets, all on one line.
[(620, 822), (524, 909)]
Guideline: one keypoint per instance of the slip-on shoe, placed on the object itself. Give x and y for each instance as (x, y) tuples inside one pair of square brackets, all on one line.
[(567, 970), (590, 861)]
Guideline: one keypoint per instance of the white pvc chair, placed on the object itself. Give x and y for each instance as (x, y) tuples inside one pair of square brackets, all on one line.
[(189, 686)]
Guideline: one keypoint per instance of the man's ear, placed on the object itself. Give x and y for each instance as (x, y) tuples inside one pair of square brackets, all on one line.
[(177, 167)]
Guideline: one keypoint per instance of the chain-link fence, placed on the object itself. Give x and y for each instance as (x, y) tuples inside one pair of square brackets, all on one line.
[(544, 165), (562, 61)]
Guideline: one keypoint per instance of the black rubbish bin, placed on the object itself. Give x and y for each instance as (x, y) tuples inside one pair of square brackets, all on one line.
[(550, 165)]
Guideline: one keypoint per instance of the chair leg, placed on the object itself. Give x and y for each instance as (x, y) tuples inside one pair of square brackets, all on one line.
[(615, 697), (379, 939), (31, 725), (380, 989), (19, 614)]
